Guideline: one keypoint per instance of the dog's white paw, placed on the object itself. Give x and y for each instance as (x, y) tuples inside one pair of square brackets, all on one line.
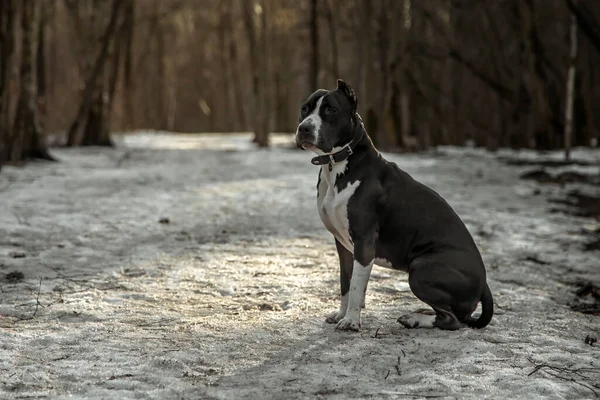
[(415, 320), (334, 317), (349, 324)]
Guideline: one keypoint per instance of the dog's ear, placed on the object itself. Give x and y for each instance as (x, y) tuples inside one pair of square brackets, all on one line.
[(348, 92)]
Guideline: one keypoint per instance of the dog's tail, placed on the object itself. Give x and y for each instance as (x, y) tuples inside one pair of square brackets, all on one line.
[(487, 310)]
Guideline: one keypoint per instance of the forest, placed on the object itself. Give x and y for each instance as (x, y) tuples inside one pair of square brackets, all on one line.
[(163, 237), (509, 73)]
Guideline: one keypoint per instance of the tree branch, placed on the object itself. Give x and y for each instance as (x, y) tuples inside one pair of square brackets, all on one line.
[(590, 29), (502, 91)]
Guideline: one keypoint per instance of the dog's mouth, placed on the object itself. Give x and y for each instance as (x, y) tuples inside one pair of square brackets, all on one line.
[(305, 145), (308, 146)]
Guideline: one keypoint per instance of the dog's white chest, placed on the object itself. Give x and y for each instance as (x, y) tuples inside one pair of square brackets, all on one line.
[(333, 205)]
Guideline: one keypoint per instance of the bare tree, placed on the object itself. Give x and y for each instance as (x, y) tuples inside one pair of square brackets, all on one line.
[(333, 37), (7, 44), (90, 126), (25, 141), (129, 27), (256, 30), (570, 89), (314, 45), (224, 29), (585, 20), (237, 82)]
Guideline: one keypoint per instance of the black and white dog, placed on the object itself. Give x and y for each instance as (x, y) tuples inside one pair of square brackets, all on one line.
[(380, 215)]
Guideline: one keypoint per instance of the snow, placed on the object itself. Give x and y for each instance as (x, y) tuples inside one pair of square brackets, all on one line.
[(228, 299), (581, 154)]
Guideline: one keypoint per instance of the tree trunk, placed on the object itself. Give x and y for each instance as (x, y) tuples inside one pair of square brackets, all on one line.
[(250, 14), (384, 48), (129, 25), (529, 80), (405, 116), (390, 51), (7, 45), (224, 32), (113, 74), (335, 67), (405, 140), (90, 127), (161, 81), (41, 67), (586, 22), (365, 61), (237, 86), (314, 46), (570, 89), (265, 71), (448, 83), (25, 139)]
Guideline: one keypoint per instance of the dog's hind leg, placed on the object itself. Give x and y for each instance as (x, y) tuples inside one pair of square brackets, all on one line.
[(445, 319), (421, 318), (431, 292), (431, 319)]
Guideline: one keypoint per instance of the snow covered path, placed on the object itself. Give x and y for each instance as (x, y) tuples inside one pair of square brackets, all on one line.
[(226, 298)]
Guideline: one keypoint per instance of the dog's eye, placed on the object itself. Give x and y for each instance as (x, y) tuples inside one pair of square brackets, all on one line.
[(330, 111), (304, 109)]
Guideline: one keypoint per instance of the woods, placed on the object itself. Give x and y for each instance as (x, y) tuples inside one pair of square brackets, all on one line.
[(513, 73), (162, 236)]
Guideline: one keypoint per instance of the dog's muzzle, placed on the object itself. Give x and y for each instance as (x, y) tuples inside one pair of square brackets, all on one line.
[(305, 136)]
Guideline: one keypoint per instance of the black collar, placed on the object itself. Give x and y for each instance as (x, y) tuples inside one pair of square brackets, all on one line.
[(341, 155)]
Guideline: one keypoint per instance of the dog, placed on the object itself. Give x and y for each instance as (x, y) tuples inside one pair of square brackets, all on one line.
[(378, 214)]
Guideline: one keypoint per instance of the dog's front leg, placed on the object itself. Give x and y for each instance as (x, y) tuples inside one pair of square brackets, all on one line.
[(364, 255), (346, 260)]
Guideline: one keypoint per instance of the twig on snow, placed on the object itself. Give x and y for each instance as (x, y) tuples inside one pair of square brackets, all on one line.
[(397, 367), (160, 321), (425, 396), (125, 156), (555, 372), (37, 305), (20, 219), (576, 371), (570, 379), (37, 299), (536, 369), (79, 282), (2, 189)]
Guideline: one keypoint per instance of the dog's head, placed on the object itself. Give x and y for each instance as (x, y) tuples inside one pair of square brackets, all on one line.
[(327, 119)]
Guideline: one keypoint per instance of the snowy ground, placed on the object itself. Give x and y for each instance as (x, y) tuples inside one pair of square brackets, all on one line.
[(228, 299)]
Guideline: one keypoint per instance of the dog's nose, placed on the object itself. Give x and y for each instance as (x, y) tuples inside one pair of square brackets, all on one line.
[(304, 129)]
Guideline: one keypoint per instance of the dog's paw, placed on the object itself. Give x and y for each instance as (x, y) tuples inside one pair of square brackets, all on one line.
[(348, 324), (334, 317), (415, 320), (408, 321)]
